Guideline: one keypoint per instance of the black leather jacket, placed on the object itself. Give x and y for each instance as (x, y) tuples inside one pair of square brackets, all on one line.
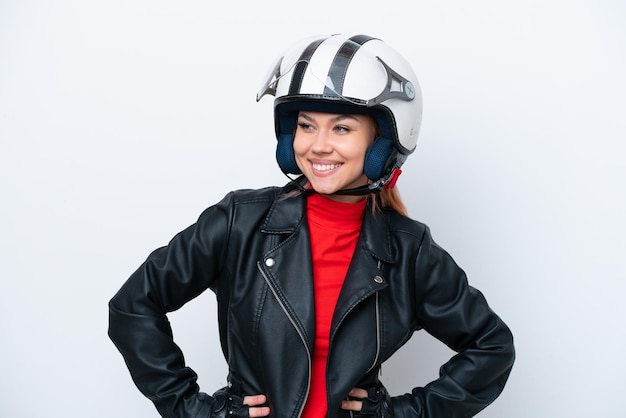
[(252, 249)]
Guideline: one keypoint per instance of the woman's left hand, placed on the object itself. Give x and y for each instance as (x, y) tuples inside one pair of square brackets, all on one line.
[(374, 402), (354, 405)]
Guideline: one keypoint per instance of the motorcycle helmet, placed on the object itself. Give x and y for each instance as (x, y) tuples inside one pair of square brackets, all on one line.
[(348, 74)]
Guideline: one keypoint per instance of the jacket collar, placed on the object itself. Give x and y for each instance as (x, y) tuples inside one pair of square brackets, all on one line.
[(286, 215)]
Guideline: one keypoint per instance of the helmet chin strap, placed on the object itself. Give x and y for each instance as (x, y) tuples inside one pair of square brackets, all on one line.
[(388, 181), (360, 190)]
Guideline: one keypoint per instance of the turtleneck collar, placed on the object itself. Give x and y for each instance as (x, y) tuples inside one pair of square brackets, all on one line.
[(329, 213)]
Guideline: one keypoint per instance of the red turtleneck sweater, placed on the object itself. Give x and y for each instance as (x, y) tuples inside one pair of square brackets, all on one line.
[(334, 228)]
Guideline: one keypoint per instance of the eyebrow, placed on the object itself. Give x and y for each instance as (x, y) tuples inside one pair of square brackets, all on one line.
[(337, 118)]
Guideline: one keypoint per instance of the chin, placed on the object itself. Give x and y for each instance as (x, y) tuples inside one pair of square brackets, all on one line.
[(324, 190)]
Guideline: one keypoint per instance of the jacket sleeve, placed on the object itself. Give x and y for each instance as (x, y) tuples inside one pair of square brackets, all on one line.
[(138, 325), (459, 316)]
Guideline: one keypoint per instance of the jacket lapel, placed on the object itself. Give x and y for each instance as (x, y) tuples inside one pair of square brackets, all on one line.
[(287, 265), (364, 276)]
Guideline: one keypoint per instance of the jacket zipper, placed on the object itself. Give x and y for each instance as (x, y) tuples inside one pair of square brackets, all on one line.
[(377, 325), (377, 312), (377, 344), (377, 334), (293, 323)]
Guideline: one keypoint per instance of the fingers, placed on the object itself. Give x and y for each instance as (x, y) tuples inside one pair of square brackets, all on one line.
[(354, 405), (255, 411), (254, 400), (259, 411), (358, 393), (351, 405)]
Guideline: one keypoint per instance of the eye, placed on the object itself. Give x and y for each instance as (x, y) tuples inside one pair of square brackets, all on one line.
[(342, 128), (304, 126)]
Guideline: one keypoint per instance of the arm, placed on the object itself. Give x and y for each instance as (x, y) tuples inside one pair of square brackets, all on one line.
[(459, 316), (138, 325)]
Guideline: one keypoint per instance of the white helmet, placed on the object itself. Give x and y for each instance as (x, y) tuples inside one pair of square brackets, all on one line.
[(340, 74)]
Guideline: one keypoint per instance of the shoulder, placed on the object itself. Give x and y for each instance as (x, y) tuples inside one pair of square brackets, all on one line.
[(403, 225), (239, 197), (409, 233), (266, 195), (240, 212), (255, 201), (392, 236)]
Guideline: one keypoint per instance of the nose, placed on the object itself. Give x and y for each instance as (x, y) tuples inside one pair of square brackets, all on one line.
[(321, 143)]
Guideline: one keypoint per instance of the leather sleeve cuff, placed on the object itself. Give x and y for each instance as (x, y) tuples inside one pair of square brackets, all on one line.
[(404, 407), (227, 405)]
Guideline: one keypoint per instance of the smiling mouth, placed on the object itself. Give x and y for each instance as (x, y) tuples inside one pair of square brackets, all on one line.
[(325, 167)]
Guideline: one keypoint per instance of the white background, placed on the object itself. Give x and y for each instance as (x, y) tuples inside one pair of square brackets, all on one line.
[(120, 121)]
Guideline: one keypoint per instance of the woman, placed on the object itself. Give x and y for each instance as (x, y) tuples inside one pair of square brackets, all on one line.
[(318, 282)]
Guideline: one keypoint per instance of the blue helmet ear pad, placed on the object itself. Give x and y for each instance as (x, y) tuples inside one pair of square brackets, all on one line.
[(285, 156), (376, 158)]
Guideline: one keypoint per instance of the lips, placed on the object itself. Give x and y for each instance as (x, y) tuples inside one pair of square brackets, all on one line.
[(324, 167)]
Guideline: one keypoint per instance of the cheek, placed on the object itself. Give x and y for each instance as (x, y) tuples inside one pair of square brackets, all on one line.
[(356, 152), (299, 146), (299, 152)]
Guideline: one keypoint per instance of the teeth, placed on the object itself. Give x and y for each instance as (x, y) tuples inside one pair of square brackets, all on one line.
[(325, 167)]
